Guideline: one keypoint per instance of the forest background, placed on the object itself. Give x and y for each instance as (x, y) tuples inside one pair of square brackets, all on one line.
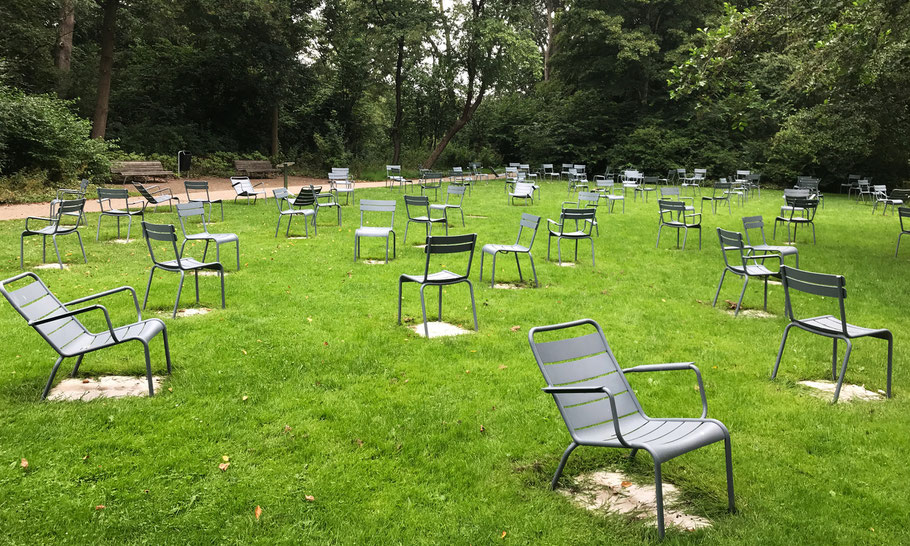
[(783, 87)]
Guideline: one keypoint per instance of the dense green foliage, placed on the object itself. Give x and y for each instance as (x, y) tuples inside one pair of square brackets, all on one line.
[(782, 86)]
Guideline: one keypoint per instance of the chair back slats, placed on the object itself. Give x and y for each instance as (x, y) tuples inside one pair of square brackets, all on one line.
[(71, 206), (113, 193), (903, 212), (27, 294), (196, 185), (144, 192), (730, 240), (375, 205), (306, 197), (530, 221), (42, 307), (593, 413), (578, 214), (241, 184), (571, 349), (833, 286), (193, 208), (665, 205), (573, 371), (815, 289), (451, 244), (159, 232), (753, 222)]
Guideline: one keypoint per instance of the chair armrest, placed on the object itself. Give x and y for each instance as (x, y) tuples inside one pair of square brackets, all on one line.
[(257, 185), (81, 310), (674, 367), (38, 218), (593, 390), (108, 293)]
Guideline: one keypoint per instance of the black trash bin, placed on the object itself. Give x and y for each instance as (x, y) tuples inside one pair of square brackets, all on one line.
[(184, 161)]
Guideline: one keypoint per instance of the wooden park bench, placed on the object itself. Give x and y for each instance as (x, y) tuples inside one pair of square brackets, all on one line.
[(250, 167), (144, 169)]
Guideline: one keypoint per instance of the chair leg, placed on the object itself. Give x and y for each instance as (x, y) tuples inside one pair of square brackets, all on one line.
[(76, 367), (406, 231), (592, 252), (562, 464), (659, 494), (179, 289), (473, 305), (834, 361), (50, 380), (742, 293), (278, 226), (685, 237), (780, 351), (148, 368), (728, 456), (22, 250), (167, 349), (766, 293), (79, 236), (221, 274), (439, 313), (890, 340), (843, 371), (534, 270), (196, 275), (237, 243), (660, 227), (423, 307), (148, 287), (517, 263), (399, 301), (721, 283)]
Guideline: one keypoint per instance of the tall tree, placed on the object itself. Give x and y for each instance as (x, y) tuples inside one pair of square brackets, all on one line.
[(63, 52), (105, 69)]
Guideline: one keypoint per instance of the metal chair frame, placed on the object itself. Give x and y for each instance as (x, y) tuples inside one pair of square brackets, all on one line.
[(732, 241), (528, 221), (56, 226)]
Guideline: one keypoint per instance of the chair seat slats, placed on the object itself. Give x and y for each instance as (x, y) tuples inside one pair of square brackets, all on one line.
[(570, 349), (65, 334), (592, 413)]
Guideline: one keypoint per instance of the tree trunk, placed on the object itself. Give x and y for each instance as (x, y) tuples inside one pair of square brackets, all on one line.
[(63, 52), (108, 25), (275, 130), (466, 115), (396, 126), (548, 48)]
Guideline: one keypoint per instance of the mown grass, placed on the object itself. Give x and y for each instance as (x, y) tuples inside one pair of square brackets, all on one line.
[(383, 428)]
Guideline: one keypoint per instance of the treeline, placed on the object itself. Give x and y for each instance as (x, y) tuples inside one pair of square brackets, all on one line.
[(785, 87)]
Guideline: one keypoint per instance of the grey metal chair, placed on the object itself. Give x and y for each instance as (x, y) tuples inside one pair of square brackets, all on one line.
[(107, 196), (852, 179), (675, 214), (341, 182), (864, 189), (719, 194), (732, 241), (321, 200), (431, 180), (452, 191), (902, 212), (156, 196), (674, 193), (55, 226), (422, 204), (378, 207), (600, 409), (200, 187), (756, 222), (607, 189), (454, 244), (59, 325), (897, 198), (244, 188), (523, 191), (527, 221), (647, 185), (165, 233), (827, 286), (197, 208), (806, 209), (302, 205), (583, 219), (586, 199)]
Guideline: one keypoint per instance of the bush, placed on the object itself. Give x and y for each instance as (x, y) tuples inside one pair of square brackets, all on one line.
[(38, 132)]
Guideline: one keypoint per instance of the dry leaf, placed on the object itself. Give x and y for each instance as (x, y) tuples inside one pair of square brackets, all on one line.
[(467, 371), (223, 466), (169, 389), (257, 512), (310, 498), (23, 463), (503, 535), (85, 458), (245, 398), (482, 429), (515, 328), (100, 507), (243, 351), (309, 319), (502, 366), (85, 381), (626, 484), (359, 442), (225, 458), (287, 428)]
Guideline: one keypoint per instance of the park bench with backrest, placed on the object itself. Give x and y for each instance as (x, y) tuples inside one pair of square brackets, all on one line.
[(140, 169), (251, 167)]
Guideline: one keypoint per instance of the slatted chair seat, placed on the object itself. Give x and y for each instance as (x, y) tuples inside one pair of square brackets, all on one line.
[(756, 222), (194, 209), (370, 231), (599, 406), (455, 244), (57, 226), (59, 325), (827, 286), (244, 188)]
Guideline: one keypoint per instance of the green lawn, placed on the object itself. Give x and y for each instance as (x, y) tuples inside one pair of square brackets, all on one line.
[(311, 388)]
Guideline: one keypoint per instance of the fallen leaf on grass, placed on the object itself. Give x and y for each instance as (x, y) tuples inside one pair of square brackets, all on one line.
[(243, 351), (482, 429), (257, 512), (100, 507), (310, 498), (309, 319), (245, 398), (23, 463), (86, 457), (225, 458), (730, 304), (287, 428), (515, 328), (359, 442), (503, 535), (223, 466), (467, 371), (502, 366)]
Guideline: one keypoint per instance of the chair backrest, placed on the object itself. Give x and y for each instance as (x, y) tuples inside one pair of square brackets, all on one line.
[(742, 174), (566, 166), (675, 210), (68, 208), (377, 206), (732, 241), (531, 222), (880, 190), (523, 189), (901, 194), (681, 173), (809, 205), (817, 284), (196, 185), (306, 197), (417, 201), (143, 191), (796, 192), (111, 194), (393, 171), (457, 170), (903, 212), (721, 186), (588, 198), (450, 244), (649, 180), (241, 184), (34, 301), (579, 168), (584, 361), (754, 222), (669, 191), (164, 233), (457, 190), (701, 173), (605, 184), (524, 167), (547, 167), (631, 175), (586, 215), (863, 185), (189, 210)]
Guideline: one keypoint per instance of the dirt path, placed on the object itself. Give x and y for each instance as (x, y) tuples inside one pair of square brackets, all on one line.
[(219, 188)]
